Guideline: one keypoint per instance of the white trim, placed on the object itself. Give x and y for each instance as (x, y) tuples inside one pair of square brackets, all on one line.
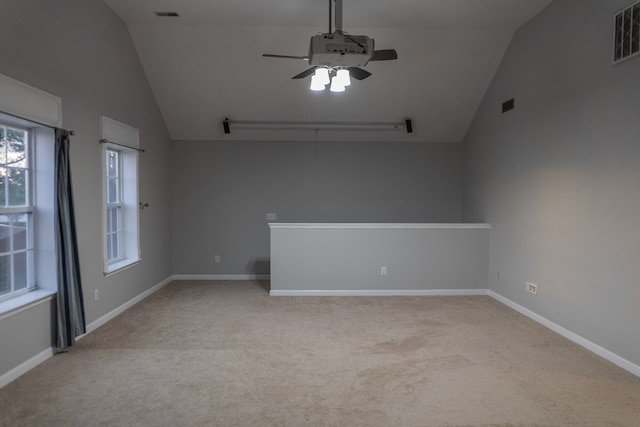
[(583, 342), (377, 292), (118, 132), (21, 100), (24, 302), (25, 367), (380, 225), (129, 181), (221, 277), (115, 312)]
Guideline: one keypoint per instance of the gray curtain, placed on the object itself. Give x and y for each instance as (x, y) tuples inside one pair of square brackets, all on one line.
[(70, 307)]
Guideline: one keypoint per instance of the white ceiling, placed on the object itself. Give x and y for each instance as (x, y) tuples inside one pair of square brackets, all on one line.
[(207, 64)]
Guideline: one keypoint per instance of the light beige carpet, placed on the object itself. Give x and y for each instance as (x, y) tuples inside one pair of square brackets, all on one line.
[(227, 354)]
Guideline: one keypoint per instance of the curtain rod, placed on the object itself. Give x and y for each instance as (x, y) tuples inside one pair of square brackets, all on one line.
[(106, 141), (71, 132)]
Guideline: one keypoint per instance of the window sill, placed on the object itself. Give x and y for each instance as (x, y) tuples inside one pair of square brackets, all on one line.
[(23, 302), (122, 265)]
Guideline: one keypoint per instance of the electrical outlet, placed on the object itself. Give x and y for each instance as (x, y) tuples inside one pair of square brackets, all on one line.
[(95, 295), (383, 271), (271, 216), (532, 287), (217, 258)]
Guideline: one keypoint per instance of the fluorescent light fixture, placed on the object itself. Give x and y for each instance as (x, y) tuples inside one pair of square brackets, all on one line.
[(368, 126), (385, 126)]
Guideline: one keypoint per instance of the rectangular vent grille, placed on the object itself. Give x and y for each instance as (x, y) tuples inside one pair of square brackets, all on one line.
[(167, 14), (627, 33)]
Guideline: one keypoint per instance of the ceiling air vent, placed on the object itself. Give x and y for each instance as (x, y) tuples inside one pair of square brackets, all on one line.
[(167, 14), (627, 33)]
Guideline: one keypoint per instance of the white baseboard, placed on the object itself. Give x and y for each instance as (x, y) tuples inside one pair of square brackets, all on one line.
[(378, 293), (221, 277), (25, 367), (583, 342), (113, 313)]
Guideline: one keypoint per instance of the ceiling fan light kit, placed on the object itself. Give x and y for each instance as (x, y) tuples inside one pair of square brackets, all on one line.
[(339, 54), (321, 78)]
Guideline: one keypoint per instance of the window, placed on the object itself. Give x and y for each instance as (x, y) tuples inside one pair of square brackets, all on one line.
[(114, 206), (627, 33), (16, 211), (120, 174), (27, 164)]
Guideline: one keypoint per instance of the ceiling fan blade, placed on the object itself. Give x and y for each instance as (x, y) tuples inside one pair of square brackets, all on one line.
[(305, 73), (358, 73), (384, 55), (270, 55)]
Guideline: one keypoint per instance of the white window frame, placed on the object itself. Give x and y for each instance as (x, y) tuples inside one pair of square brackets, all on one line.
[(114, 232), (39, 111), (122, 139), (26, 209)]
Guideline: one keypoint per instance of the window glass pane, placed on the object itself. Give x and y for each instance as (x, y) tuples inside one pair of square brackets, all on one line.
[(16, 154), (3, 145), (115, 249), (5, 234), (3, 178), (113, 233), (635, 30), (16, 136), (112, 163), (626, 48), (17, 187), (116, 219), (111, 220), (109, 248), (19, 232), (20, 271), (5, 275), (112, 190)]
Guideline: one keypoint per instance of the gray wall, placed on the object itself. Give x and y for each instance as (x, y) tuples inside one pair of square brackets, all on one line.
[(223, 190), (419, 259), (558, 177), (79, 50)]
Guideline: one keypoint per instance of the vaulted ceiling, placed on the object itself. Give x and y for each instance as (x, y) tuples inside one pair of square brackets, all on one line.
[(207, 64)]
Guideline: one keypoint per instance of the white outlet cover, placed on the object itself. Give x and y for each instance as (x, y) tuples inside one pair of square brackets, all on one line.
[(271, 217)]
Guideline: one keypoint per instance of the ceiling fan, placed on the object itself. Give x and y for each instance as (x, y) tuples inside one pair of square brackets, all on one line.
[(336, 56)]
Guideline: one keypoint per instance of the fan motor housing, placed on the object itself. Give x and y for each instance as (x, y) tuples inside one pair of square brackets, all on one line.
[(340, 50)]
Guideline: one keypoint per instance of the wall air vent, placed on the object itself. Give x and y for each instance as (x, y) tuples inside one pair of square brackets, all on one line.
[(167, 14), (627, 33)]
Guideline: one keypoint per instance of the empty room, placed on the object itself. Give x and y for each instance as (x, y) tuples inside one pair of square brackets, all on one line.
[(320, 213)]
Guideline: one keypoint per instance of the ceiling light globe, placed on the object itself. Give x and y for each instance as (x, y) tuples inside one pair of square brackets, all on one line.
[(343, 77), (322, 74), (336, 85), (317, 84)]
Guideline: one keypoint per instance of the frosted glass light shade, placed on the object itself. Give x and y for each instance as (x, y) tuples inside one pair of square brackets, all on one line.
[(316, 83), (336, 85), (343, 77), (322, 74)]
